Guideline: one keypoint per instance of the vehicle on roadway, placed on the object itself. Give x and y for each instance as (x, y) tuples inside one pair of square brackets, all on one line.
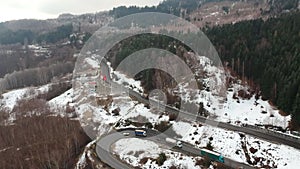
[(140, 133), (212, 155), (126, 134), (176, 142)]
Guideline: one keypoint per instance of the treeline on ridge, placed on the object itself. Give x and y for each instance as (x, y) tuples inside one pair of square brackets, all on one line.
[(175, 7), (184, 8), (34, 76), (8, 36), (268, 53)]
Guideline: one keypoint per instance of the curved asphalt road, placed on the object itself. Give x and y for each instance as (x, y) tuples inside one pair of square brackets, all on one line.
[(103, 150)]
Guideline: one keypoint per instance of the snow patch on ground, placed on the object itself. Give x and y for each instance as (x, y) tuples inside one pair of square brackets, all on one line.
[(128, 82), (92, 63), (251, 111), (82, 162), (182, 128), (132, 110), (280, 156), (88, 112), (132, 150), (129, 110), (11, 98), (230, 143), (221, 103), (62, 100)]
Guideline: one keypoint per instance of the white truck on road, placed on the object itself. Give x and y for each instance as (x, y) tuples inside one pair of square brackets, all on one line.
[(173, 141)]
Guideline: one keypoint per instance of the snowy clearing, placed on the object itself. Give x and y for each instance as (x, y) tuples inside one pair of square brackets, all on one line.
[(230, 144), (128, 82), (10, 98), (133, 150)]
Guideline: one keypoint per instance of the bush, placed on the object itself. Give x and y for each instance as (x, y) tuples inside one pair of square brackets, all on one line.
[(127, 122), (161, 159), (199, 162), (221, 166), (206, 162), (253, 150), (162, 126), (144, 160), (172, 116), (70, 109), (244, 94), (149, 125), (209, 146)]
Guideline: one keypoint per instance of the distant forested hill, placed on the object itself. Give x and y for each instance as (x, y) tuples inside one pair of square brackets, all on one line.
[(175, 7), (8, 36), (268, 53), (183, 8)]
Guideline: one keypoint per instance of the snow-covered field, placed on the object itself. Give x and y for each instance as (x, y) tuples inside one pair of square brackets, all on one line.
[(224, 104), (230, 144), (133, 150), (240, 110), (128, 82), (10, 98), (93, 63), (129, 110), (61, 101)]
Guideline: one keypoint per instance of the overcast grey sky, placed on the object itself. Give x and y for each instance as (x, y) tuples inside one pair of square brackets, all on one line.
[(42, 9)]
